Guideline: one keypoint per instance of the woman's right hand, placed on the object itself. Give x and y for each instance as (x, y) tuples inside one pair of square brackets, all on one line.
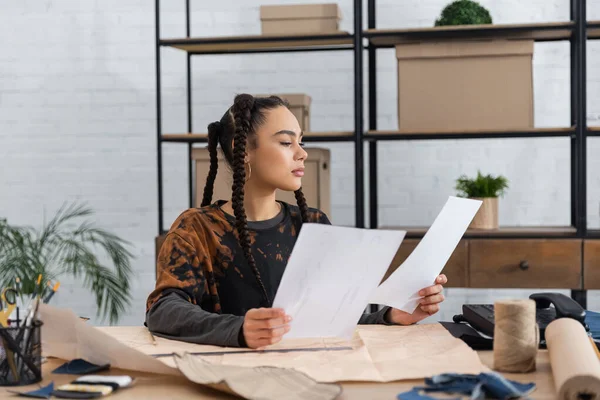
[(265, 326)]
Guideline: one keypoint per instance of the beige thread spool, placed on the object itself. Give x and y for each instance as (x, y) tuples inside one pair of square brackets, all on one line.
[(516, 336)]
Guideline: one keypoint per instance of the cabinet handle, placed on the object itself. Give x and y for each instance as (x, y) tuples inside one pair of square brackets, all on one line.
[(524, 265)]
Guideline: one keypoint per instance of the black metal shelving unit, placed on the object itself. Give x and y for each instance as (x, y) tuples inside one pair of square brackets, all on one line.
[(259, 45), (576, 31)]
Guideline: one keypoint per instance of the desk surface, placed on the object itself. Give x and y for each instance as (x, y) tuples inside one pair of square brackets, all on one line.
[(150, 386)]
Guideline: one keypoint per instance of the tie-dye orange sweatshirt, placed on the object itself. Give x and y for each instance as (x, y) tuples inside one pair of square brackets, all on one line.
[(205, 286)]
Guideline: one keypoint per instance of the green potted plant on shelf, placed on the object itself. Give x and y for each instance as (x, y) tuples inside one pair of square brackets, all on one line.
[(488, 189), (464, 12), (66, 246)]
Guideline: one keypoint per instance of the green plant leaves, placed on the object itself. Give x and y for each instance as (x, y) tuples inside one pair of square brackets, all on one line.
[(464, 12), (67, 246), (481, 186)]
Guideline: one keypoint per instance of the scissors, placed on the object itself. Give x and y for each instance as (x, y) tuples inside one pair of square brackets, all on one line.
[(8, 303)]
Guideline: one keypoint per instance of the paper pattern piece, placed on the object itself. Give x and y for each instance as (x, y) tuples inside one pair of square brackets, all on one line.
[(331, 273), (378, 353), (426, 262), (264, 383), (66, 336)]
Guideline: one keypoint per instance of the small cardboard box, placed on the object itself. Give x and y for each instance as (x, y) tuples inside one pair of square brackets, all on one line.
[(299, 106), (300, 19), (465, 85)]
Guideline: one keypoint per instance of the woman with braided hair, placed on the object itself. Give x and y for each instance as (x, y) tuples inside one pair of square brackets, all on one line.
[(221, 264)]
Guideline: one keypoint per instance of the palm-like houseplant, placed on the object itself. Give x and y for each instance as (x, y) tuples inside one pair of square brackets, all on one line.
[(66, 246)]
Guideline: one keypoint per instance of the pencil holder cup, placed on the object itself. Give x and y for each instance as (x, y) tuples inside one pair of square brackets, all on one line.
[(21, 355)]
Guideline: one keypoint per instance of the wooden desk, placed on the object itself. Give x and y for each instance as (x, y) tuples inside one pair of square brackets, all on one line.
[(150, 386)]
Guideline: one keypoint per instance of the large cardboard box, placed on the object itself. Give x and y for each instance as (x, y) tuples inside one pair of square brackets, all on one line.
[(315, 183), (465, 85), (299, 106), (293, 19)]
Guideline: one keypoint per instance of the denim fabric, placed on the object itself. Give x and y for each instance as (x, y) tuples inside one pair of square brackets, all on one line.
[(483, 386)]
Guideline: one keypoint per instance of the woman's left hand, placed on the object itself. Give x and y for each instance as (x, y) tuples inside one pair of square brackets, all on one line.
[(428, 305)]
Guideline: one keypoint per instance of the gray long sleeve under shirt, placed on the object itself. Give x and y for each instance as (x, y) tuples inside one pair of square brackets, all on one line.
[(173, 317)]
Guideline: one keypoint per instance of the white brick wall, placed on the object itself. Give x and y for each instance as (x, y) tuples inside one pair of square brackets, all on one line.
[(77, 120)]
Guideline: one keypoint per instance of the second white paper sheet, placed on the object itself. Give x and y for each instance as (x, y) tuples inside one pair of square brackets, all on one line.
[(424, 264), (331, 273)]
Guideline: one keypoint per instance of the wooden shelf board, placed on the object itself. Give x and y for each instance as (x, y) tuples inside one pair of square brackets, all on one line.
[(528, 132), (534, 232), (202, 137), (185, 137), (593, 29), (539, 31), (594, 130), (232, 44)]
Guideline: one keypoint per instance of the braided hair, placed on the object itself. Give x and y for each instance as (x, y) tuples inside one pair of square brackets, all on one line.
[(239, 125)]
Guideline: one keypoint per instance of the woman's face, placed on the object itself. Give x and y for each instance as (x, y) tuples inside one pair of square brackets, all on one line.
[(277, 157)]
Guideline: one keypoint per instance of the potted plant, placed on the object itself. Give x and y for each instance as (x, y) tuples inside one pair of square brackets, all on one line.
[(486, 188), (65, 246), (464, 12)]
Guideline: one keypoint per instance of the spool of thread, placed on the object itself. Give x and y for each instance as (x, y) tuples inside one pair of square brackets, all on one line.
[(575, 365), (516, 336)]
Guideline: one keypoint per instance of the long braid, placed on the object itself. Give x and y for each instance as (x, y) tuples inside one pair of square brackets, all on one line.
[(213, 139), (301, 200), (242, 121)]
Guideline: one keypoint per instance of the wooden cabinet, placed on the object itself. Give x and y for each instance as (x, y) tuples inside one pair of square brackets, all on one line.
[(525, 263), (591, 264)]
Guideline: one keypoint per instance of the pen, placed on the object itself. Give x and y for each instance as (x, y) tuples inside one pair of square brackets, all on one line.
[(152, 337), (54, 289)]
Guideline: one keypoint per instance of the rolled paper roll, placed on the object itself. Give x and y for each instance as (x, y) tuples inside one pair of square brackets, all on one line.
[(516, 336), (574, 361)]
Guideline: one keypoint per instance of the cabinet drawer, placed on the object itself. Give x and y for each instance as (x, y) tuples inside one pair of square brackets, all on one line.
[(591, 264), (525, 263), (456, 268)]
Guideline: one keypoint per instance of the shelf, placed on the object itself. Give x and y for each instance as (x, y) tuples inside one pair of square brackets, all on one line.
[(502, 232), (593, 131), (593, 233), (479, 134), (593, 29), (261, 43), (539, 32), (308, 137), (185, 137)]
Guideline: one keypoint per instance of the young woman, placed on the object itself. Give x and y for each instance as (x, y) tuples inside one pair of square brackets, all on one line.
[(220, 265)]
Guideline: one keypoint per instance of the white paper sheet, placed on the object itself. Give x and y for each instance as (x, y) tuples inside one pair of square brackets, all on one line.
[(331, 273), (424, 264)]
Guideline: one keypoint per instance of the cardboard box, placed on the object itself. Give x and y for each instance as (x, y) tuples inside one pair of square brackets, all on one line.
[(465, 85), (299, 106), (315, 183), (297, 19)]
